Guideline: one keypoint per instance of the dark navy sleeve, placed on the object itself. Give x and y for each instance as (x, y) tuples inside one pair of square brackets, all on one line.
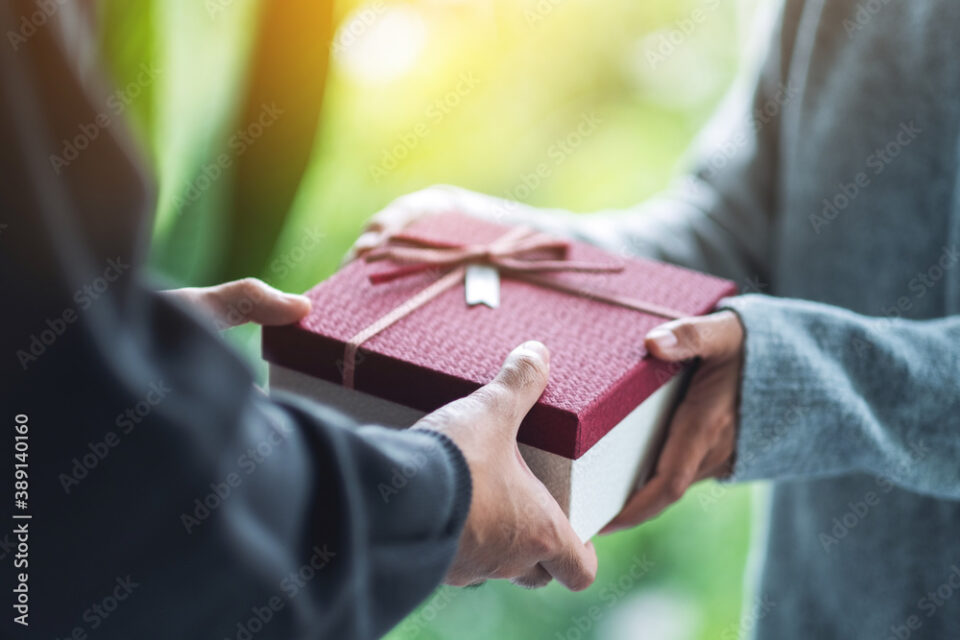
[(168, 498)]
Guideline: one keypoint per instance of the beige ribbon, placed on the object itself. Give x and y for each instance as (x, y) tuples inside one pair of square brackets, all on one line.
[(516, 254)]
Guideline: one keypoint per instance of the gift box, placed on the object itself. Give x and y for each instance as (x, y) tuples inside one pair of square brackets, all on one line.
[(431, 316)]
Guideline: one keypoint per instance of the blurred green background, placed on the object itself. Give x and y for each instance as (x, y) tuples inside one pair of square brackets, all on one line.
[(475, 93)]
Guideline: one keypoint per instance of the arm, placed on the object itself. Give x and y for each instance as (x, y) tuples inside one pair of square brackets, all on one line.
[(161, 482), (812, 402), (788, 389), (158, 475)]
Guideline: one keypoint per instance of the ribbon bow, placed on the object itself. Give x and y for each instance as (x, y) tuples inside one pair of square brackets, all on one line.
[(521, 250)]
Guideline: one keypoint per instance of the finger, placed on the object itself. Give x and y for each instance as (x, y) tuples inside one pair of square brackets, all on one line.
[(393, 219), (718, 471), (714, 335), (252, 300), (574, 565), (518, 385), (534, 578), (719, 462), (677, 468), (646, 503), (367, 241), (409, 208)]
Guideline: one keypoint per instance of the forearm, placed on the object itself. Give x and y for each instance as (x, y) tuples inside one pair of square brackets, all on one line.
[(258, 505), (826, 391), (389, 504)]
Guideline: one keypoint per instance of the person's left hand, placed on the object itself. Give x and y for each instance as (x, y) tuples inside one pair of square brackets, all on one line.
[(701, 440), (241, 301)]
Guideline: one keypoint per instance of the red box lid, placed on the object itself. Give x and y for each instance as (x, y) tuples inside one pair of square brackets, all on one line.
[(599, 369)]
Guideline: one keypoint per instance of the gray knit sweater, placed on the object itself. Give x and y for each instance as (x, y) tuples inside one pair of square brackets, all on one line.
[(828, 187)]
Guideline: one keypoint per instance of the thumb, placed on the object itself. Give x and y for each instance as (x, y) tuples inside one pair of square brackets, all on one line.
[(714, 335), (519, 384), (252, 300), (279, 308), (575, 566)]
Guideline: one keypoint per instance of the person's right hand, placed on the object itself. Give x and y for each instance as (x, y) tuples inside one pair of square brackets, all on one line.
[(241, 301), (514, 529), (410, 207)]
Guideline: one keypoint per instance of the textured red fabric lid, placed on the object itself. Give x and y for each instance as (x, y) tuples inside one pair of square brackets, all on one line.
[(599, 369)]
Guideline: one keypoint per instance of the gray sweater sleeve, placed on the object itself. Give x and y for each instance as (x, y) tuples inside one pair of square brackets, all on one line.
[(826, 391)]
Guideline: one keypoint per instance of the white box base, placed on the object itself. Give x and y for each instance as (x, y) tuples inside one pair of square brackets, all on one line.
[(591, 490)]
